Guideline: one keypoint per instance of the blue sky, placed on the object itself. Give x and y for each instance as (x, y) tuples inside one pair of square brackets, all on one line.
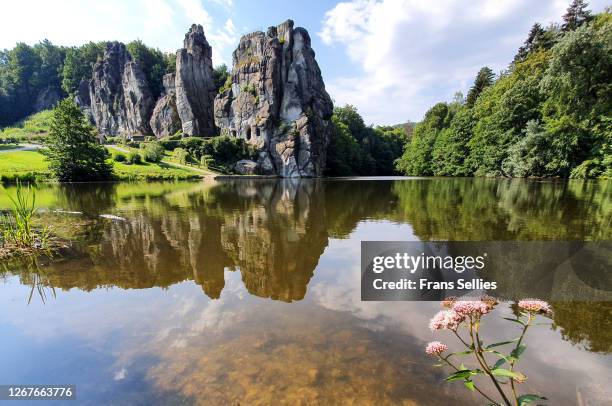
[(392, 59)]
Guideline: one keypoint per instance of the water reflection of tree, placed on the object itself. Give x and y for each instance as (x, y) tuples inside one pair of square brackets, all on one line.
[(585, 323), (273, 232), (492, 209)]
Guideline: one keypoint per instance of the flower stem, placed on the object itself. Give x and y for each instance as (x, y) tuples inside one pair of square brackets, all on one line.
[(483, 362), (518, 344)]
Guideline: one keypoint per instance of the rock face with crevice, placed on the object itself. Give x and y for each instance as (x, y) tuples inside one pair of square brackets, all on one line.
[(120, 99), (165, 119), (195, 86), (277, 102)]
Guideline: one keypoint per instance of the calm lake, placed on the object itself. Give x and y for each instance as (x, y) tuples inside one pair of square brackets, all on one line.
[(248, 291)]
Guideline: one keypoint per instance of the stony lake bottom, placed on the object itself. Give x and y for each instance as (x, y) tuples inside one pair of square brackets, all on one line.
[(248, 291)]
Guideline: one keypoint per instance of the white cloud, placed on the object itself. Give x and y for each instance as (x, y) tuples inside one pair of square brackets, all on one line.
[(158, 23), (413, 54)]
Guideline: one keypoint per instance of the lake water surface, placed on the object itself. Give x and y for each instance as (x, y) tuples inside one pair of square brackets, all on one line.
[(248, 292)]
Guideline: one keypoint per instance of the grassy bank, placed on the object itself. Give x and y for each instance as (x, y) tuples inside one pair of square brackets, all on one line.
[(32, 129), (31, 165)]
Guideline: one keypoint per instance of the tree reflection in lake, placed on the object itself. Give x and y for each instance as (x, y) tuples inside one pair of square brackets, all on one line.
[(269, 237)]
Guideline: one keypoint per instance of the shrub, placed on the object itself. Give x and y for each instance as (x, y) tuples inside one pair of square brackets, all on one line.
[(181, 155), (119, 158), (134, 158), (177, 136), (226, 150), (153, 152), (169, 145), (27, 177), (207, 160), (193, 145)]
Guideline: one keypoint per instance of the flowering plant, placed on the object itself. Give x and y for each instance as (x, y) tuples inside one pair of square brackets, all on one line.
[(464, 317)]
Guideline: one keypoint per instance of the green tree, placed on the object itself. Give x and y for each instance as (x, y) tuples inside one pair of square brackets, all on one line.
[(343, 153), (531, 154), (417, 159), (153, 63), (72, 149), (502, 112), (484, 78), (357, 149), (450, 149), (576, 15), (51, 64), (220, 75), (578, 110), (353, 120), (535, 40), (78, 64)]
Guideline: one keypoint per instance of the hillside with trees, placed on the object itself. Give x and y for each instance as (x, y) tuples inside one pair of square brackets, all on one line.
[(548, 115), (34, 78)]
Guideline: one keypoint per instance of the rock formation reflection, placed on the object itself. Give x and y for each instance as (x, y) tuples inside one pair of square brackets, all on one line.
[(273, 232)]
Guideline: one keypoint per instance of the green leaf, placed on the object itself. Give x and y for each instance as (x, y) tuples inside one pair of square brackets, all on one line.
[(505, 372), (514, 320), (462, 374), (499, 363), (525, 399), (500, 343), (516, 353), (469, 385)]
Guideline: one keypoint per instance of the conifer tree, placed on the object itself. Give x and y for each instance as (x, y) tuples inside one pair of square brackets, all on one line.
[(576, 15), (483, 79), (72, 150)]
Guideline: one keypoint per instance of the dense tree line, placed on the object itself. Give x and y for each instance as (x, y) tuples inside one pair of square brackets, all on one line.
[(26, 72), (357, 149), (548, 115)]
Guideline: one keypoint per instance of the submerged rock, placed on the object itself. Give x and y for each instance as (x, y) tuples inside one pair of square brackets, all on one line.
[(195, 88), (165, 119), (120, 99), (277, 102)]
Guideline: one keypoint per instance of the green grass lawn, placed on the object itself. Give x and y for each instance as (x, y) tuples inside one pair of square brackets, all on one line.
[(21, 163), (151, 171)]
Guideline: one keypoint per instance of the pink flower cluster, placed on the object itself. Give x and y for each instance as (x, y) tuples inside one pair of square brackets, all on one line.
[(435, 348), (473, 308), (534, 306), (446, 320)]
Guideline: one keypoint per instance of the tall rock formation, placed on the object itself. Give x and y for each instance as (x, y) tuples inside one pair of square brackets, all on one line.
[(277, 102), (195, 89), (120, 99), (165, 119)]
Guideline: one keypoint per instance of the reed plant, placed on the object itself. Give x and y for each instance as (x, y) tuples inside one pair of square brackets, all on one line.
[(16, 226)]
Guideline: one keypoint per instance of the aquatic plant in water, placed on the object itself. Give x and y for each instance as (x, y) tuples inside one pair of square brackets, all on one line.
[(17, 232), (465, 317)]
